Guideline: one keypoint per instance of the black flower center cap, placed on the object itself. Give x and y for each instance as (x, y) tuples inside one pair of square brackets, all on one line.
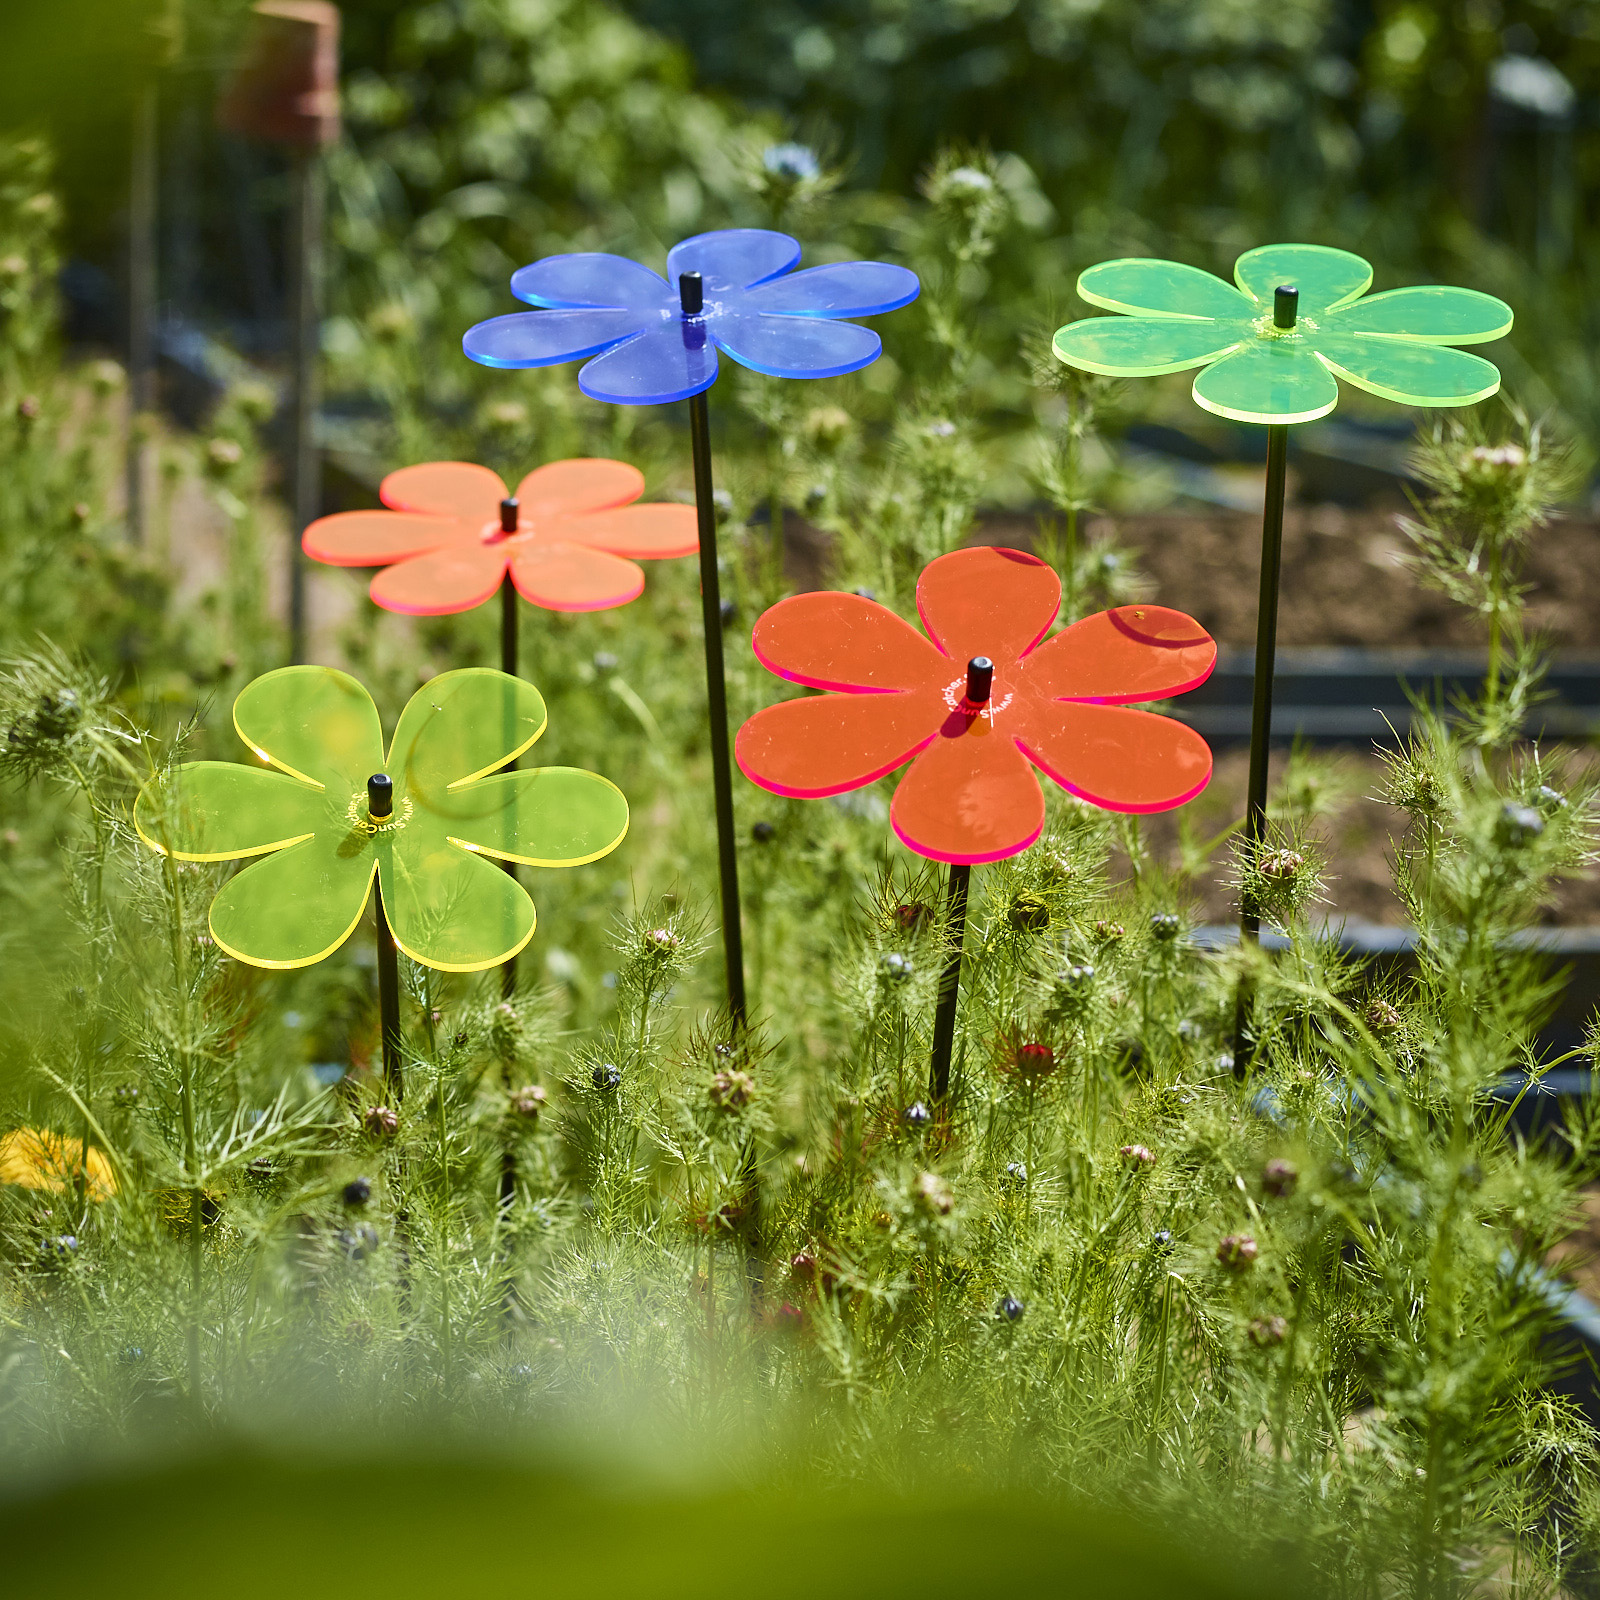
[(380, 797), (980, 680), (1285, 306)]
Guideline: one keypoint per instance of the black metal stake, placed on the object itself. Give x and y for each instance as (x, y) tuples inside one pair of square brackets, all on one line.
[(1286, 301), (980, 680), (305, 312), (690, 290), (509, 516), (380, 807), (141, 304)]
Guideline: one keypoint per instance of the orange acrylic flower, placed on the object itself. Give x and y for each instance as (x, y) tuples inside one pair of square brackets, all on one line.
[(571, 539), (971, 795), (32, 1158)]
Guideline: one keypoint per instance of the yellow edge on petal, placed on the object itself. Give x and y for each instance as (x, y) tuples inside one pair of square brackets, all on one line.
[(308, 961), (504, 761), (1107, 304), (1269, 418), (1405, 399), (477, 966), (270, 759), (1142, 370), (224, 855)]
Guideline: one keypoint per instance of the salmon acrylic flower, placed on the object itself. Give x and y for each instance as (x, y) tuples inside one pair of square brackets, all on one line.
[(571, 538), (978, 704), (452, 816)]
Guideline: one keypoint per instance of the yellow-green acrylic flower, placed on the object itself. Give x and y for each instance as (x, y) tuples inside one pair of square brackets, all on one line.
[(1395, 344), (448, 906)]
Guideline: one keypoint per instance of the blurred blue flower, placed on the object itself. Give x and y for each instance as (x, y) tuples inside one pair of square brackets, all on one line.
[(653, 339), (795, 162)]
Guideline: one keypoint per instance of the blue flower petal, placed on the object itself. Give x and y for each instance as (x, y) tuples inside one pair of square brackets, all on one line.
[(733, 258), (840, 289), (546, 338), (590, 278), (669, 361), (796, 347)]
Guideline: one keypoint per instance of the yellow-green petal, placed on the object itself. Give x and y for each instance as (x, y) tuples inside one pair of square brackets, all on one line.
[(1268, 380), (458, 727), (315, 723), (1160, 289), (1412, 373), (1325, 277), (1432, 313), (449, 908), (220, 810), (1141, 347), (298, 905), (546, 817)]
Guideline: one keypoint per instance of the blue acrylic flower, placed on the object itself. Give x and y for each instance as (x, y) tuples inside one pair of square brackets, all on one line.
[(647, 349)]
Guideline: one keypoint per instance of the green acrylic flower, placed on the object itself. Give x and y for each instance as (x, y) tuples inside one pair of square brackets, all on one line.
[(1395, 344), (447, 906)]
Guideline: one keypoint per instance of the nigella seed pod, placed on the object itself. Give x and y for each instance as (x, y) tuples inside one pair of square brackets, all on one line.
[(606, 1078), (358, 1191), (1010, 1308), (916, 1115), (1108, 932), (380, 1122)]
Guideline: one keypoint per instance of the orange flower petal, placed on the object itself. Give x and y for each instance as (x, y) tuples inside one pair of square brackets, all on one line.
[(1120, 759), (1133, 653), (826, 744), (435, 585), (32, 1158), (987, 601), (375, 538), (969, 797), (646, 533), (446, 489), (570, 577), (568, 488), (842, 641)]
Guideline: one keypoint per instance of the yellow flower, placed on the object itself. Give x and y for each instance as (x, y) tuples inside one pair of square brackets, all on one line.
[(36, 1160)]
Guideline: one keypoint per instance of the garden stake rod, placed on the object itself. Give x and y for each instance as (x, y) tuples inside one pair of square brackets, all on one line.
[(509, 512), (980, 681), (380, 807), (1285, 304), (691, 291)]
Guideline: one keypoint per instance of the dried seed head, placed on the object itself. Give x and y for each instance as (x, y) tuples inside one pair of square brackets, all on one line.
[(934, 1195), (1237, 1251), (731, 1090), (1138, 1156), (1278, 1177), (380, 1122), (527, 1102), (1266, 1331)]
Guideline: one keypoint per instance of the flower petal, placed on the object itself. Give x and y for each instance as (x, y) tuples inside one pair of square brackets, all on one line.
[(1268, 380), (969, 797), (1325, 277), (1140, 652), (297, 906), (826, 744), (220, 810), (1160, 289), (1415, 374), (646, 533), (564, 576), (451, 909), (1121, 759), (545, 817), (1434, 313), (589, 278), (987, 602), (1141, 347), (315, 723), (445, 489), (375, 538), (445, 581), (733, 258), (844, 641), (547, 338), (567, 488), (796, 347), (462, 726), (840, 289), (667, 362)]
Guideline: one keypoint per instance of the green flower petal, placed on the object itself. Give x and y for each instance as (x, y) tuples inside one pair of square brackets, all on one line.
[(1414, 374), (548, 817), (219, 810), (1324, 277), (1268, 380), (297, 906), (314, 723), (1160, 289), (1435, 314), (458, 727), (1140, 347), (448, 908)]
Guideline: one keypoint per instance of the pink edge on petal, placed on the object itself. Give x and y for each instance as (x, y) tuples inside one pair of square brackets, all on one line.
[(575, 606), (816, 683), (836, 788), (1108, 805), (443, 608), (1133, 700), (929, 854)]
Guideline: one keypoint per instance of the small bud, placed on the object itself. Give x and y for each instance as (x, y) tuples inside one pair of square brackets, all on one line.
[(357, 1192), (1029, 914), (606, 1078), (1138, 1156), (1108, 932), (916, 1115), (125, 1095), (662, 940), (1548, 799), (762, 832), (358, 1243), (1266, 1331), (1237, 1251), (28, 408), (895, 967), (1017, 1171), (527, 1102), (1161, 1240), (911, 915), (934, 1194), (1518, 824), (459, 1039), (1281, 865), (803, 1265), (730, 1091), (1278, 1178), (1381, 1016), (1010, 1308), (224, 453), (380, 1122), (58, 1247), (1034, 1061), (1165, 927)]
